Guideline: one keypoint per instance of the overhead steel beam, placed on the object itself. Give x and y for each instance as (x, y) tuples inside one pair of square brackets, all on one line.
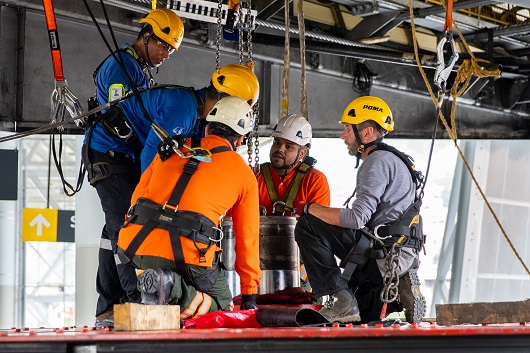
[(271, 9), (372, 26), (380, 24), (436, 10), (500, 31)]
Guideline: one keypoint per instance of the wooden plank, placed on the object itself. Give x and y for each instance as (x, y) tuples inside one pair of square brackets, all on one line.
[(483, 313), (140, 317)]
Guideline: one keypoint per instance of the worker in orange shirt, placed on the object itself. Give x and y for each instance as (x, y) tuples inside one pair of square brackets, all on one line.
[(290, 180), (172, 232)]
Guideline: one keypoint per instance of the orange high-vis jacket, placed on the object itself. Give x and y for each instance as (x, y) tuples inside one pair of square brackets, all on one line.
[(314, 188), (225, 182)]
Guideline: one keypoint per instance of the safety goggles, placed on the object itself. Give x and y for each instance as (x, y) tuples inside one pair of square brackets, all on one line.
[(165, 46)]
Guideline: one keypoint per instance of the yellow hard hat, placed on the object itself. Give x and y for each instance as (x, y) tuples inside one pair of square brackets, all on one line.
[(167, 26), (368, 108), (237, 80)]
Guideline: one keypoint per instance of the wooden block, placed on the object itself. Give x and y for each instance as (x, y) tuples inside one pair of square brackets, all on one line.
[(483, 313), (140, 317)]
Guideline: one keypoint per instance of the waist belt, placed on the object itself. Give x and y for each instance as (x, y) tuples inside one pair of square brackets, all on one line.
[(408, 237), (188, 224), (186, 221)]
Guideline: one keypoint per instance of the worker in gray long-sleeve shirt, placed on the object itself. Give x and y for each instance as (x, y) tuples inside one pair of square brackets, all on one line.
[(386, 207)]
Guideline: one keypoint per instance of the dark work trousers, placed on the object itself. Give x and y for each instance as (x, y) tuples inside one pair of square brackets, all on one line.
[(115, 283), (320, 243)]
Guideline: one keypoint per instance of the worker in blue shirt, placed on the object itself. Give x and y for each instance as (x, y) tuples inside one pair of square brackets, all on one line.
[(127, 68)]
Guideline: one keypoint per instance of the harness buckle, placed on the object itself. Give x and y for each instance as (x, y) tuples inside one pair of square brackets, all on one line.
[(170, 207), (443, 70)]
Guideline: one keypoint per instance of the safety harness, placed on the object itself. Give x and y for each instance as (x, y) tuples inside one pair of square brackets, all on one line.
[(116, 124), (407, 231), (191, 225), (287, 201)]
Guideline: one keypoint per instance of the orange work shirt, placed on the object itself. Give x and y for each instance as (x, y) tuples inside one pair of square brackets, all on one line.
[(224, 183), (314, 188)]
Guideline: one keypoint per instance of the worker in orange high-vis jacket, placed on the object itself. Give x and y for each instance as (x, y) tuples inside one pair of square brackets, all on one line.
[(172, 231), (290, 180)]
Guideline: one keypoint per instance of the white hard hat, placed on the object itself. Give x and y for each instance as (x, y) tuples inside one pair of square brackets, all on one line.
[(294, 128), (233, 112)]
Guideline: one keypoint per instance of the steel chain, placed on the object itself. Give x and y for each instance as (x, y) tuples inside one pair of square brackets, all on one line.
[(241, 29), (389, 293), (250, 29), (249, 149), (218, 35), (256, 138)]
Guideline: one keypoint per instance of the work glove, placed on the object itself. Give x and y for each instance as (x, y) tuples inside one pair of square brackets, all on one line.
[(248, 301)]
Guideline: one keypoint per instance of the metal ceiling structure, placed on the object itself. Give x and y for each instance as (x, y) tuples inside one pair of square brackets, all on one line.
[(345, 36)]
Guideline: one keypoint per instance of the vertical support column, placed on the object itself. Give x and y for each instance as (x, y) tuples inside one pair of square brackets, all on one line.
[(460, 235), (469, 246), (11, 245), (10, 241), (89, 221), (9, 54)]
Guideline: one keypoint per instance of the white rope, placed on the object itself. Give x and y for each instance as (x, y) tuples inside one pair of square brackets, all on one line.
[(286, 65), (301, 29)]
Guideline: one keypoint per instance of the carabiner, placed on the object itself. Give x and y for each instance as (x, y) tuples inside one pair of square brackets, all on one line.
[(444, 70)]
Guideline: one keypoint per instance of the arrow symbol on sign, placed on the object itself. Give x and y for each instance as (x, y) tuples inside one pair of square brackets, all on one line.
[(39, 221)]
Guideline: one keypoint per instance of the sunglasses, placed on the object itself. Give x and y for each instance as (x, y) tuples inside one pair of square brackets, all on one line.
[(163, 45)]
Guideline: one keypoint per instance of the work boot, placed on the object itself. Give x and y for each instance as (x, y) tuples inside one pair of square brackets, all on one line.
[(155, 286), (341, 307), (410, 297), (106, 319)]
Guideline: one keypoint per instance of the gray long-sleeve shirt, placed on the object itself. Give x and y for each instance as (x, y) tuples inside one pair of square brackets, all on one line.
[(384, 191)]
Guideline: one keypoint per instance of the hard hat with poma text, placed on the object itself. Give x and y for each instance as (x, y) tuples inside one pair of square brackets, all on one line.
[(368, 108)]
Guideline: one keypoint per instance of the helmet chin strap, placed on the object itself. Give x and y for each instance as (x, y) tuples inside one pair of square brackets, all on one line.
[(361, 146), (146, 45)]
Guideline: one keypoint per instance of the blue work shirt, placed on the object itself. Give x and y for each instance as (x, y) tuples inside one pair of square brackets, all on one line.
[(174, 109), (109, 79)]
